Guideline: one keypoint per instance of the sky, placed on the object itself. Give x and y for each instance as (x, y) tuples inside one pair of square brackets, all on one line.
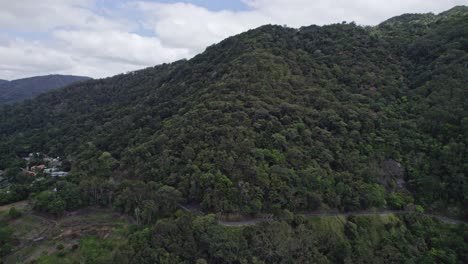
[(101, 38)]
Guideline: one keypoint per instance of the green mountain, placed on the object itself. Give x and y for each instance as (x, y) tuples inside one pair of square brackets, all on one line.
[(27, 88), (296, 133), (339, 116)]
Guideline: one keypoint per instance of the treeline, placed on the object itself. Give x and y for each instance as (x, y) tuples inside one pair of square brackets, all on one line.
[(187, 239)]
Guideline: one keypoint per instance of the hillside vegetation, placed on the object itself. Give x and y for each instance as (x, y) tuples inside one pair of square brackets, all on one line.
[(339, 116), (27, 88), (272, 122)]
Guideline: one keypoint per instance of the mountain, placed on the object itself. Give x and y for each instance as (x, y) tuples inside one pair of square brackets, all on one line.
[(27, 88), (339, 116), (303, 131)]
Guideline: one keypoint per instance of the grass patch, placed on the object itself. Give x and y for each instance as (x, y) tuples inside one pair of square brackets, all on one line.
[(91, 249), (328, 225), (84, 236)]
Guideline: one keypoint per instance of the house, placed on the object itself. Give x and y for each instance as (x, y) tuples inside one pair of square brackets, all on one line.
[(59, 174), (49, 170), (53, 162), (30, 173), (56, 163), (38, 167)]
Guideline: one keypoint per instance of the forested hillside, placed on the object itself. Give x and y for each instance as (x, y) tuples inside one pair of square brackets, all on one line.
[(22, 89), (339, 116)]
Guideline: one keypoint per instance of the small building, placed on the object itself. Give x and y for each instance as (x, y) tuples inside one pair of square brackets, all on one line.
[(58, 174), (53, 162), (49, 170), (38, 167), (56, 163), (30, 173)]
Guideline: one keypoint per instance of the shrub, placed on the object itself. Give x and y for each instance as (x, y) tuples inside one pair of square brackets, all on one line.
[(14, 213), (397, 200), (419, 209)]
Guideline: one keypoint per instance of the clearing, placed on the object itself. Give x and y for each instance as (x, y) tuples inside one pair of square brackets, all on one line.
[(37, 234)]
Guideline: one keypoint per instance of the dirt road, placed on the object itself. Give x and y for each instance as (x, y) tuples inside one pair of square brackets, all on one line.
[(256, 220)]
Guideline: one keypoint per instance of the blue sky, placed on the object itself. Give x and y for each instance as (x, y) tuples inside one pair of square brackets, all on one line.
[(100, 38), (215, 5)]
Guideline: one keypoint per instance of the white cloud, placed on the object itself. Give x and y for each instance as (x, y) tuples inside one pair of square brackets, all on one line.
[(187, 25), (79, 37), (20, 58), (90, 53), (45, 15), (119, 46), (367, 12)]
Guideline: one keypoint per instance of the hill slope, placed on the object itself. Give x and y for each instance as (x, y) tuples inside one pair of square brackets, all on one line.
[(338, 116), (22, 89)]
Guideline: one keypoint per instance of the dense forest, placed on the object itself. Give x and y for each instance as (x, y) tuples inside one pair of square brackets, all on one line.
[(275, 121), (339, 116), (27, 88)]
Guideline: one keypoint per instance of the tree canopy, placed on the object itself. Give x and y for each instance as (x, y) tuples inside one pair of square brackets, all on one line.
[(274, 118)]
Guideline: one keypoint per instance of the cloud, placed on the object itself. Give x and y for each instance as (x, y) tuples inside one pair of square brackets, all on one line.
[(45, 15), (190, 26), (100, 38), (367, 12), (20, 58), (119, 46), (90, 53)]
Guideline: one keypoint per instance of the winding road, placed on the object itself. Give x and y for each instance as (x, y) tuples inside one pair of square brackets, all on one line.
[(257, 220)]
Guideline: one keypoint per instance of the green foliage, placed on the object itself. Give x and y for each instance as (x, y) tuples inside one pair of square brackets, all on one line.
[(27, 88), (397, 200), (91, 249), (64, 196), (5, 239), (419, 209), (274, 120), (50, 202), (147, 201), (71, 194), (14, 213), (357, 239), (373, 196), (271, 119)]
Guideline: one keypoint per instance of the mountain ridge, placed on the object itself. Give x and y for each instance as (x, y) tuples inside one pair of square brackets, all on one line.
[(27, 88)]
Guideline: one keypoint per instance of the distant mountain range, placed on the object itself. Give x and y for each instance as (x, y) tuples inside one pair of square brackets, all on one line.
[(22, 89)]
